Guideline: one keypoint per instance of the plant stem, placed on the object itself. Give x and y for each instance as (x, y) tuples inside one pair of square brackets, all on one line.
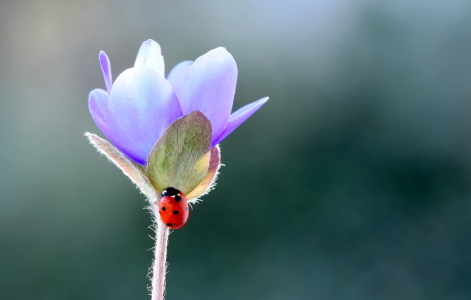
[(160, 260)]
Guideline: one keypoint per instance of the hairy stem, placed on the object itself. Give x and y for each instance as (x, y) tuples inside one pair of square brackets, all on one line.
[(160, 261)]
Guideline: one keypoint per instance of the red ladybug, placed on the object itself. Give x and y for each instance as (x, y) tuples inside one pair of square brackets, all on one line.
[(173, 208)]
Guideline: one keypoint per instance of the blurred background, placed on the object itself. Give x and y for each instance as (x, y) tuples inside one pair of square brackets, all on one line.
[(352, 182)]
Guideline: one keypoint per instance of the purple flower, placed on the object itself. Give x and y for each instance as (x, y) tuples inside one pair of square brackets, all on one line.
[(135, 110)]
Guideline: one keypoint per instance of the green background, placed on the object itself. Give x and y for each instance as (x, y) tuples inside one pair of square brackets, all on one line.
[(352, 182)]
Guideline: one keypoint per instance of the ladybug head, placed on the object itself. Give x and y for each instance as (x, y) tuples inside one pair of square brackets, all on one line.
[(170, 191)]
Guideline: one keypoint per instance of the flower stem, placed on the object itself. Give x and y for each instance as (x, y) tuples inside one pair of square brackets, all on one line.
[(160, 261)]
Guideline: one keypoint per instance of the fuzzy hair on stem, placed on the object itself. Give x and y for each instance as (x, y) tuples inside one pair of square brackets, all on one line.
[(159, 265)]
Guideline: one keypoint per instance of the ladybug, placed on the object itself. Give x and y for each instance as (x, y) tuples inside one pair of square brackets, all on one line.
[(173, 208)]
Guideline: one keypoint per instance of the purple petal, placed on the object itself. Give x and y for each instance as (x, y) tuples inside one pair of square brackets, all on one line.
[(106, 69), (209, 86), (142, 105), (178, 70), (98, 106), (149, 55), (238, 118)]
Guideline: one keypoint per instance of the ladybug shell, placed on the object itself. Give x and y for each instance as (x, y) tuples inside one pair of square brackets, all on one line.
[(174, 211)]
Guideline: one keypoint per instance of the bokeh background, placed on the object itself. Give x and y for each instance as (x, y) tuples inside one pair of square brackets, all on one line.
[(352, 182)]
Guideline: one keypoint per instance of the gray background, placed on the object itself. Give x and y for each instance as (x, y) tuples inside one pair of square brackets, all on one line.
[(352, 182)]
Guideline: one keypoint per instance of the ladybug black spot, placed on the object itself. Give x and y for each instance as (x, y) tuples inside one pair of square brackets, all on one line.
[(186, 208), (175, 212), (163, 208), (169, 224), (178, 198)]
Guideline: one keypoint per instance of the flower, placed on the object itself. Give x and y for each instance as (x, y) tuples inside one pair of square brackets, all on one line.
[(135, 110)]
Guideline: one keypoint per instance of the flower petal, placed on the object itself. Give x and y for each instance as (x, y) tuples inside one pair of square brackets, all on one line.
[(98, 106), (149, 55), (209, 86), (142, 105), (178, 70), (106, 70), (238, 118)]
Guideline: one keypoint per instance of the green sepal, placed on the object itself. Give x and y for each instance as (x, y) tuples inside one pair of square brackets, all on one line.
[(130, 168), (208, 183), (180, 158)]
